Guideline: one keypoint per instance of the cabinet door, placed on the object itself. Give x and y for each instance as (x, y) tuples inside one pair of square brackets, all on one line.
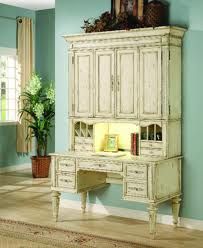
[(105, 83), (150, 83), (127, 83), (83, 84)]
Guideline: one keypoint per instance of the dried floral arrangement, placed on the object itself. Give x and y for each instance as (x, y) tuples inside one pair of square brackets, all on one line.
[(129, 14), (107, 22)]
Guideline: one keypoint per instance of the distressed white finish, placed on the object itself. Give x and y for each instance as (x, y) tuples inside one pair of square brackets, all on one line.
[(150, 83), (127, 83), (143, 66), (170, 145), (124, 77), (149, 181), (83, 105), (83, 201), (105, 87), (55, 204)]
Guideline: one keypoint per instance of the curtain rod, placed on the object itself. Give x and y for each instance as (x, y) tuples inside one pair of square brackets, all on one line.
[(10, 18), (13, 19)]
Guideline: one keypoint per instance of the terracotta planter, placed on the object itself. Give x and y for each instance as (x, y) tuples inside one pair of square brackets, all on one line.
[(40, 166)]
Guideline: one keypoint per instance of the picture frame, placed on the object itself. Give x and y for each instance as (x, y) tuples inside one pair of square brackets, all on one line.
[(111, 143), (131, 7), (115, 7)]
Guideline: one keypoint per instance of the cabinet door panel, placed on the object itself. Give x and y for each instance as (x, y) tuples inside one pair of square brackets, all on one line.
[(127, 83), (105, 83), (150, 83), (83, 84)]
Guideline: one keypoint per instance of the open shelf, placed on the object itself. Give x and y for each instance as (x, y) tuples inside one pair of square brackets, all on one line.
[(151, 133), (83, 130)]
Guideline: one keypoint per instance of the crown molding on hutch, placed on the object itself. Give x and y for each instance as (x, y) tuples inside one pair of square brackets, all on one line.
[(163, 35)]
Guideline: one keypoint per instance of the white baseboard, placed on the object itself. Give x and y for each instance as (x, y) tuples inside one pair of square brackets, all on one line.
[(134, 214), (14, 168)]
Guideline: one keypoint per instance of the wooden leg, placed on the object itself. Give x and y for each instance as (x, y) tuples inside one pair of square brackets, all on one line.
[(175, 209), (55, 204), (152, 219), (83, 201)]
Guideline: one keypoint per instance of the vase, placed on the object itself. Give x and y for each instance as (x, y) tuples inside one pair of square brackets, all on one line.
[(40, 166)]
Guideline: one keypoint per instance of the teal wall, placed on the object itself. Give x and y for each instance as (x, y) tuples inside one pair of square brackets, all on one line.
[(8, 155), (45, 44), (189, 13), (45, 52), (69, 18)]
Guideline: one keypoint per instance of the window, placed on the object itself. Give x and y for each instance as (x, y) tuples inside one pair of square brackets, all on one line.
[(9, 82)]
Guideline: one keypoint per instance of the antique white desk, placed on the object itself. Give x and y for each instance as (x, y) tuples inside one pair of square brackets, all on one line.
[(147, 181)]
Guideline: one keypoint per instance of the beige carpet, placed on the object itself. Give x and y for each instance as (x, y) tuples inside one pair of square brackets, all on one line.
[(15, 234)]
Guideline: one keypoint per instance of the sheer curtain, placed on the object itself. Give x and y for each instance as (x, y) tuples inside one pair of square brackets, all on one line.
[(25, 59)]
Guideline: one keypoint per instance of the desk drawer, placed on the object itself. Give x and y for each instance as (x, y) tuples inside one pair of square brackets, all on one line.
[(83, 140), (136, 171), (84, 147), (151, 152), (135, 189), (100, 165), (66, 180), (66, 165), (151, 145)]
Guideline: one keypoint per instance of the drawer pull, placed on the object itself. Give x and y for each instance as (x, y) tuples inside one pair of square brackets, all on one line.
[(67, 165), (101, 165), (66, 180), (136, 172), (136, 189)]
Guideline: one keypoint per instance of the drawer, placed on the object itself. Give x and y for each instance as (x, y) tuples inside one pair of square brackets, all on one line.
[(82, 140), (83, 147), (135, 189), (100, 165), (66, 180), (137, 171), (66, 165), (151, 152), (156, 145)]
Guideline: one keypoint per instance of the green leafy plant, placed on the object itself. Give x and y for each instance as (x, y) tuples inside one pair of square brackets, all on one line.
[(38, 109)]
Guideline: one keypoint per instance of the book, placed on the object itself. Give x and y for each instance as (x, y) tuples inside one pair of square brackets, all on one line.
[(135, 144)]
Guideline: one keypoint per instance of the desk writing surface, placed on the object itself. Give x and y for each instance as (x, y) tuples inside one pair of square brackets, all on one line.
[(127, 158)]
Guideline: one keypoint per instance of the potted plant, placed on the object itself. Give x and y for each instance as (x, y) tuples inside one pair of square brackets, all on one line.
[(38, 109)]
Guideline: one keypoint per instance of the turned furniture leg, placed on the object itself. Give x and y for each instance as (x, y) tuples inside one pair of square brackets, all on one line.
[(55, 204), (83, 201), (152, 218), (175, 209)]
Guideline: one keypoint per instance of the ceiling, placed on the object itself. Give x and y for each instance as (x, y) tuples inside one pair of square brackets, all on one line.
[(31, 4)]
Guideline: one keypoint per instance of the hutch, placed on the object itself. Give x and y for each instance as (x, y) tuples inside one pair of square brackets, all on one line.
[(124, 82)]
